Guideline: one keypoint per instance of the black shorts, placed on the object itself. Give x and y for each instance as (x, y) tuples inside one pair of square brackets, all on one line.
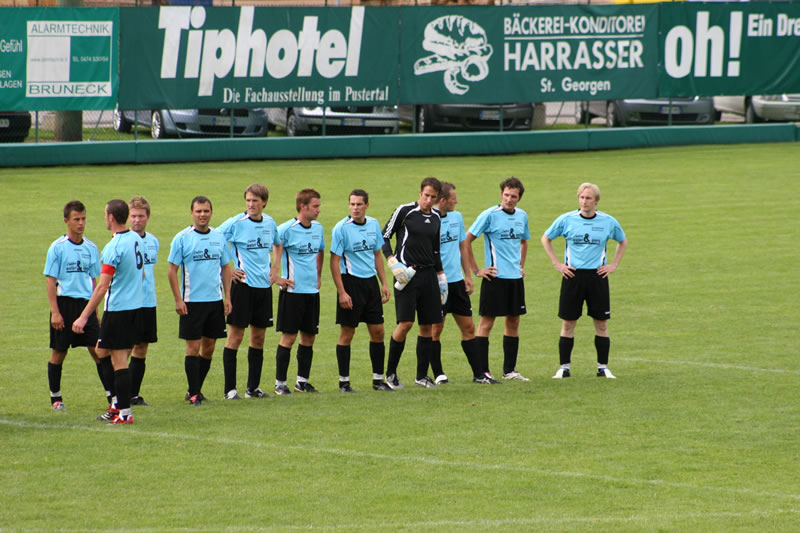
[(367, 304), (119, 330), (458, 301), (148, 325), (298, 312), (204, 319), (502, 297), (588, 286), (252, 306), (70, 309), (420, 296)]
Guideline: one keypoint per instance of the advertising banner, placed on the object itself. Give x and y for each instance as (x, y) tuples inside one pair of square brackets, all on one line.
[(528, 54), (58, 58), (730, 49), (196, 56)]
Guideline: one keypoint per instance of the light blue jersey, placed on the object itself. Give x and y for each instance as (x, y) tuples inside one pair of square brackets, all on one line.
[(356, 244), (150, 256), (124, 252), (74, 266), (452, 234), (586, 237), (502, 233), (300, 248), (201, 257), (252, 242)]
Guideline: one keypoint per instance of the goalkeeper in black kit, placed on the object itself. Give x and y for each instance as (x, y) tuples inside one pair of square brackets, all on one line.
[(421, 286)]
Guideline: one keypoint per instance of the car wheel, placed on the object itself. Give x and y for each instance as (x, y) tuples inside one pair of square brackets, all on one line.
[(121, 124), (422, 120), (582, 113), (750, 113), (291, 124), (157, 125), (612, 121)]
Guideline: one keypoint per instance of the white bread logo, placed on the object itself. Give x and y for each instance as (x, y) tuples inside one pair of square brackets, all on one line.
[(460, 49)]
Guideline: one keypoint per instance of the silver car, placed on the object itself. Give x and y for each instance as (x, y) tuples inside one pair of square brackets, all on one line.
[(648, 111), (336, 119), (195, 122), (778, 107)]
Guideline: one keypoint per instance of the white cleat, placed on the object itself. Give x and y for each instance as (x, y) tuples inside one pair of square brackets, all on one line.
[(562, 373), (605, 373), (515, 375)]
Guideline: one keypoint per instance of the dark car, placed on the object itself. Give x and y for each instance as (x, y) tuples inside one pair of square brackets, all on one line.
[(648, 111), (14, 126), (468, 117)]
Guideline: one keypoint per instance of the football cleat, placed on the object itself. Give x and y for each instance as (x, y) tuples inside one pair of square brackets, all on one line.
[(202, 398), (232, 394), (255, 393), (515, 375), (58, 405), (344, 386), (394, 382), (110, 413), (282, 390), (605, 373), (561, 373), (138, 400), (381, 386), (491, 379), (304, 386), (441, 379), (119, 419), (196, 400), (482, 380), (426, 382)]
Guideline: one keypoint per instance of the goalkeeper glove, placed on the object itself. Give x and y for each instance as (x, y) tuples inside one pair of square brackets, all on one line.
[(443, 287), (400, 271), (400, 286)]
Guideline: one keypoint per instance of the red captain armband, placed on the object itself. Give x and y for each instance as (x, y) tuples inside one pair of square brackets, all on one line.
[(107, 269)]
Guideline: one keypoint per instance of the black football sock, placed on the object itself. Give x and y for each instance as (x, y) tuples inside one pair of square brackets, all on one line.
[(470, 348), (204, 365), (603, 345), (565, 345), (482, 360), (377, 352), (282, 357), (192, 369), (423, 356), (395, 352), (255, 360), (343, 360), (106, 386), (229, 368), (137, 368), (436, 358), (305, 354), (510, 351), (122, 384), (54, 379), (108, 377)]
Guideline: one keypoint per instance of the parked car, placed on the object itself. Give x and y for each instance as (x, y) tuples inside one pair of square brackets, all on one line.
[(337, 119), (194, 122), (776, 107), (648, 111), (468, 117), (14, 126)]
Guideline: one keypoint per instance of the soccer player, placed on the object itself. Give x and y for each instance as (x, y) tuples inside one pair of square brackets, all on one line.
[(356, 243), (72, 265), (303, 241), (252, 235), (422, 285), (506, 234), (202, 299), (121, 276), (139, 215), (455, 258), (584, 273)]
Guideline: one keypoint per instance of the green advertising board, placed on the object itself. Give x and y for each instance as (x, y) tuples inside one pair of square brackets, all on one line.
[(58, 58), (523, 54), (196, 56), (730, 49)]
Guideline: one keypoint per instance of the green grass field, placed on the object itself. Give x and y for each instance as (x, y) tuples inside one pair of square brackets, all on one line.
[(700, 432)]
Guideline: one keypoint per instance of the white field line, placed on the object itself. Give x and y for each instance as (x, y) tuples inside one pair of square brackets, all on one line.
[(429, 461), (653, 519)]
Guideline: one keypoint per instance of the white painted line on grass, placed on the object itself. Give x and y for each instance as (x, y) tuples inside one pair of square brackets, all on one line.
[(431, 461)]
